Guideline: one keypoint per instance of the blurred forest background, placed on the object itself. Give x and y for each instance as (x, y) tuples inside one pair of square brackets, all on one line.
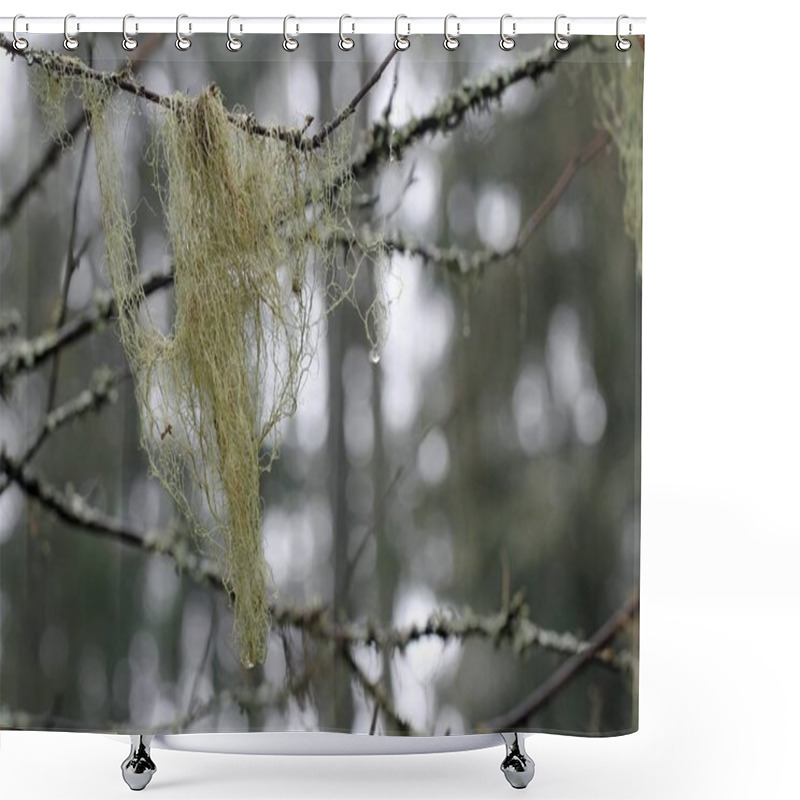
[(448, 526)]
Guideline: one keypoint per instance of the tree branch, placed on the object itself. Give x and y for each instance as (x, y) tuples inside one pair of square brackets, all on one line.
[(70, 507), (451, 110), (101, 391), (520, 714), (73, 259), (377, 692), (332, 125), (460, 261), (509, 625), (23, 356), (54, 150)]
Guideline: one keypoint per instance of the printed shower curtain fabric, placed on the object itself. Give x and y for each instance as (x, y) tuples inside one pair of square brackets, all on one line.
[(319, 386)]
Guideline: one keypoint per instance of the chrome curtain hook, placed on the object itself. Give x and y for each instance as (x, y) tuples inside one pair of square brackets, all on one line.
[(233, 44), (623, 44), (345, 42), (506, 41), (181, 42), (401, 41), (289, 44), (451, 42), (128, 42), (20, 44), (561, 43), (70, 42)]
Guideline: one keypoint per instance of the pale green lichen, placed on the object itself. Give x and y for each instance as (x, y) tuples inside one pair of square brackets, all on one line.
[(252, 223), (618, 89)]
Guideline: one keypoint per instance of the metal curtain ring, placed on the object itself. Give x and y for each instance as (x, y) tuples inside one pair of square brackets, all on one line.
[(506, 42), (401, 42), (181, 42), (451, 42), (289, 44), (561, 43), (623, 44), (233, 44), (345, 42), (70, 42), (20, 44), (128, 42)]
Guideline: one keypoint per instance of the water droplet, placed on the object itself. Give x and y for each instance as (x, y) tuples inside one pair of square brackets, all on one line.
[(374, 355)]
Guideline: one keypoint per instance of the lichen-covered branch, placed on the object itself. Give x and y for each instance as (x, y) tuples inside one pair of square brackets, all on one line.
[(72, 508), (376, 691), (54, 150), (124, 81), (509, 626), (546, 691), (25, 355), (460, 261), (102, 390), (450, 111)]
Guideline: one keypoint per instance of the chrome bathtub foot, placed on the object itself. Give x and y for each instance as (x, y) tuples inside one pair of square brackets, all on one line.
[(138, 767), (517, 766)]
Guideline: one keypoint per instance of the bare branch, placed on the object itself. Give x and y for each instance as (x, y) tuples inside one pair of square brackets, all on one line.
[(377, 692), (73, 259), (48, 160), (330, 127)]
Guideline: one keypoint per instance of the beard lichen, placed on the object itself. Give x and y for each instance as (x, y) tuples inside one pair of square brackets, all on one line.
[(618, 90), (252, 223)]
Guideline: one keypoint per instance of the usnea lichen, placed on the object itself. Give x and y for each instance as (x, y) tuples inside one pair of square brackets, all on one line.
[(252, 224), (618, 87)]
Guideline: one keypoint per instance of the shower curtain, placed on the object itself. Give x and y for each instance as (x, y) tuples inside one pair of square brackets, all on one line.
[(320, 385)]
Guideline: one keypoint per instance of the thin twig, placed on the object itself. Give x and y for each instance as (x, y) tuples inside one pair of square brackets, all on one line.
[(102, 390), (460, 261), (520, 714), (48, 160), (54, 150), (378, 693), (332, 125), (73, 259)]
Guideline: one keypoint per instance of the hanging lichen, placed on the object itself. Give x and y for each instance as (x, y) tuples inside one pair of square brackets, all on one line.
[(253, 223), (618, 90)]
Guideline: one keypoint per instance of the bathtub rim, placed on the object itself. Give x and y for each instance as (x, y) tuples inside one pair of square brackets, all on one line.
[(316, 743)]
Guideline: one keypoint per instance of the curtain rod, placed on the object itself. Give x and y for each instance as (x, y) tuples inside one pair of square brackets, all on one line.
[(457, 26)]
